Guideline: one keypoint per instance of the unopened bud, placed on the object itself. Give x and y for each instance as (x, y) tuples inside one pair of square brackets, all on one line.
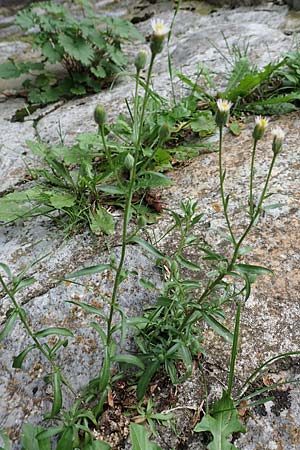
[(129, 161), (140, 60), (278, 136), (100, 115)]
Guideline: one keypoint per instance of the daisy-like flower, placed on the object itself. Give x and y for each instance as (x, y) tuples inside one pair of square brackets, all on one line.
[(261, 124), (160, 30), (223, 110), (224, 105), (159, 27), (278, 137)]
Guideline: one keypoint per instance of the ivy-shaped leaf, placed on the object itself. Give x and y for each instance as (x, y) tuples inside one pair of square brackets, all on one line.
[(78, 48), (222, 421)]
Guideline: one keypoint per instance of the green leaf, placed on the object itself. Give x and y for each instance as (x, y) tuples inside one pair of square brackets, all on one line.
[(146, 246), (222, 421), (57, 397), (218, 327), (187, 264), (97, 445), (8, 325), (29, 439), (89, 271), (104, 376), (140, 438), (62, 200), (110, 189), (251, 269), (50, 432), (152, 179), (78, 48), (88, 308), (9, 70), (66, 440), (18, 360), (98, 71), (145, 379), (54, 331), (204, 124), (235, 128), (102, 220), (129, 359), (5, 439)]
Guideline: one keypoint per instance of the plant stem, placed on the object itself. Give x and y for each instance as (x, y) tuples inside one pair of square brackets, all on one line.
[(33, 337), (251, 178), (222, 177), (210, 287), (234, 349), (127, 210)]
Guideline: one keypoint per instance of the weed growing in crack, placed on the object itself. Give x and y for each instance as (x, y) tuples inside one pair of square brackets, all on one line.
[(88, 47)]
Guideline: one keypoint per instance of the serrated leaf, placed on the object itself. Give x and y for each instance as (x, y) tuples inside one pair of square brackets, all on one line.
[(102, 220), (78, 48), (222, 421), (99, 71)]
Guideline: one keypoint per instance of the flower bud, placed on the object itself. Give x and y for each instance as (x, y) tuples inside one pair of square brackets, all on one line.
[(261, 124), (160, 30), (129, 161), (100, 115), (140, 60), (164, 132), (223, 111), (278, 136)]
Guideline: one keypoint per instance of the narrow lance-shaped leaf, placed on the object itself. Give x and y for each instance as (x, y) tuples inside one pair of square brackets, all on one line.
[(8, 325), (18, 360), (57, 395), (54, 331)]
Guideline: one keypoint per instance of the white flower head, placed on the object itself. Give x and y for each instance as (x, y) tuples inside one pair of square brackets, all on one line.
[(159, 27), (224, 105), (278, 134), (261, 122)]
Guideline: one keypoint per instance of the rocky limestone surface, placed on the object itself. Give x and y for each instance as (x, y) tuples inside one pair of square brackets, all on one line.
[(270, 318)]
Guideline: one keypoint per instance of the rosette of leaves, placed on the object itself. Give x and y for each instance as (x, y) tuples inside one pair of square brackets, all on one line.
[(88, 47)]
